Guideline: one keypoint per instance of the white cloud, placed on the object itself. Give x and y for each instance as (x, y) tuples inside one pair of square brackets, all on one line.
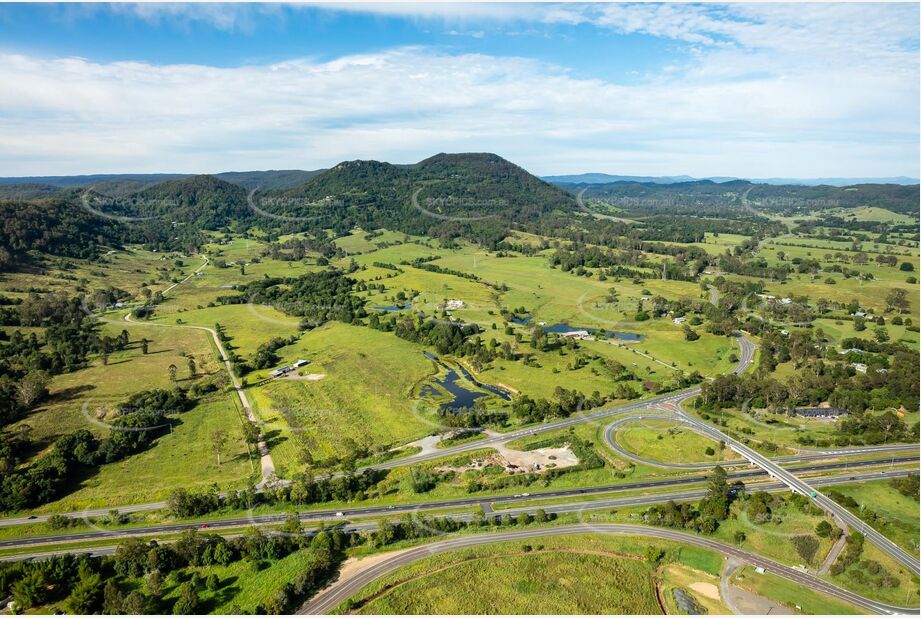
[(769, 90)]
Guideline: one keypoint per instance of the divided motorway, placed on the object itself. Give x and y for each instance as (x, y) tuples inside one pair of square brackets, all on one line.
[(417, 509)]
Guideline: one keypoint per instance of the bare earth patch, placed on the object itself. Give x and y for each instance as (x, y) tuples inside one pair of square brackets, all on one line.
[(538, 459), (514, 462), (706, 589), (310, 377)]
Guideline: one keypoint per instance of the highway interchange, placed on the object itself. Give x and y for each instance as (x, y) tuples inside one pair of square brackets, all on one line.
[(668, 406)]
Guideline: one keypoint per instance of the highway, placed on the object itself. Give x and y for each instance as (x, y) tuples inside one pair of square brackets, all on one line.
[(799, 486), (611, 430), (672, 402), (340, 590), (675, 403), (390, 511)]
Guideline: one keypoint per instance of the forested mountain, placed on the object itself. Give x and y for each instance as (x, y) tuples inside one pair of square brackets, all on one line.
[(479, 196), (53, 226), (202, 201), (600, 179), (27, 191), (270, 179)]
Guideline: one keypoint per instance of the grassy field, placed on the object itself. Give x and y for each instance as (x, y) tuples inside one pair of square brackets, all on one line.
[(129, 270), (248, 326), (547, 583), (873, 213), (181, 458), (127, 372), (366, 394), (870, 294), (906, 594), (559, 575), (893, 514), (776, 428), (773, 538), (660, 440), (770, 539)]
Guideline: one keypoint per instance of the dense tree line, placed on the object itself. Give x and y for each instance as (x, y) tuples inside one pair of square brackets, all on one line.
[(565, 402), (706, 516), (136, 579), (315, 296)]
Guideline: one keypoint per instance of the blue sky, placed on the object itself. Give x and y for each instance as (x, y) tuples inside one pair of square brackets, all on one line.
[(745, 89)]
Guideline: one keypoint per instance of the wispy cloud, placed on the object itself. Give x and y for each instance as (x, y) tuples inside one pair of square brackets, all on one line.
[(757, 90)]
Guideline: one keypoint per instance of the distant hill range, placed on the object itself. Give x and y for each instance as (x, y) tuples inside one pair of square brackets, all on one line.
[(598, 179), (36, 187)]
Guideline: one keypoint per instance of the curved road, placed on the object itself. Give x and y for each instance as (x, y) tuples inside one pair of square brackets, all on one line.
[(611, 430), (797, 485), (342, 589), (267, 465)]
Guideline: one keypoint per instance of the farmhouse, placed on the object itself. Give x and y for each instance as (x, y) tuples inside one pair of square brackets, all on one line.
[(821, 411), (280, 371), (288, 368), (578, 334)]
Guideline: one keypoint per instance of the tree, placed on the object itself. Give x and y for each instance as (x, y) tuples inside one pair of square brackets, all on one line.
[(824, 529), (897, 298), (881, 335), (218, 441), (86, 594), (144, 344), (739, 537), (906, 267), (806, 546), (654, 555), (292, 525), (251, 432), (716, 502), (153, 584), (187, 602), (172, 373), (192, 369), (32, 388), (30, 591)]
